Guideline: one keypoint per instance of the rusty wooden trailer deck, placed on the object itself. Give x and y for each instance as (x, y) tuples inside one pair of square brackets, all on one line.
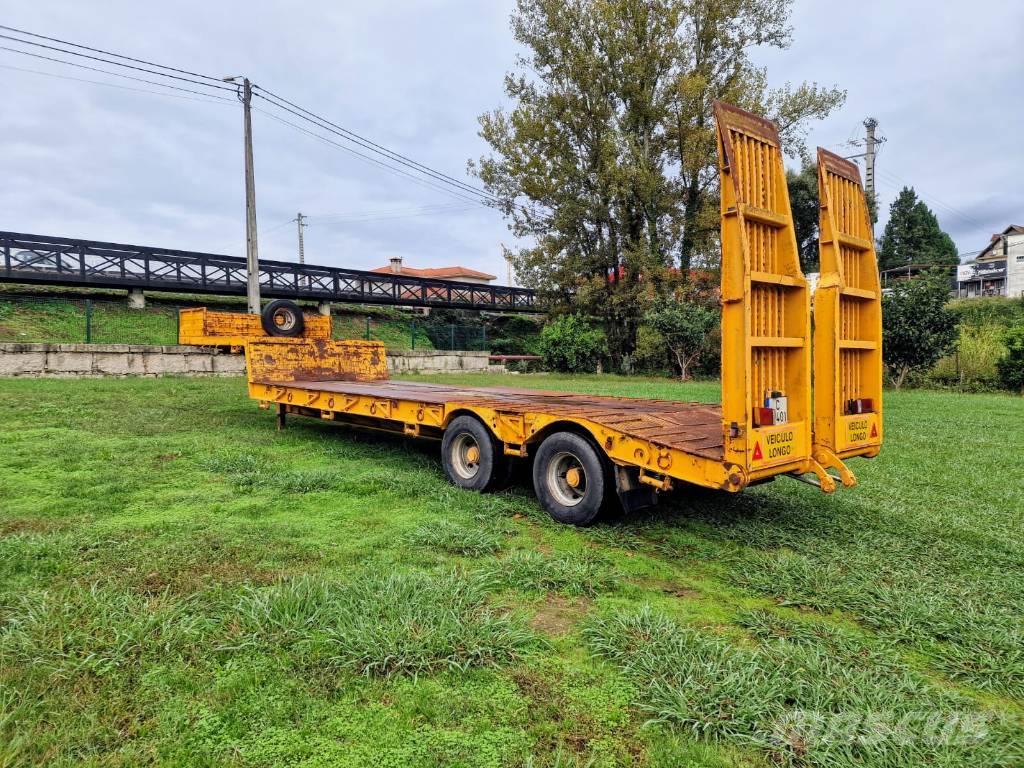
[(586, 449), (623, 446)]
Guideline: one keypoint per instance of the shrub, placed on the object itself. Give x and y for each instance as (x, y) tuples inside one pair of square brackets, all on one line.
[(686, 327), (651, 355), (973, 364), (1011, 367), (988, 310), (917, 327), (513, 335), (572, 345)]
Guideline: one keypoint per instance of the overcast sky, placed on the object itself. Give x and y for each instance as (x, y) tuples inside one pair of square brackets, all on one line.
[(83, 160)]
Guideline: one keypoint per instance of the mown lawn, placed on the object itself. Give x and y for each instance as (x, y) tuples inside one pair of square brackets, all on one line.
[(180, 584)]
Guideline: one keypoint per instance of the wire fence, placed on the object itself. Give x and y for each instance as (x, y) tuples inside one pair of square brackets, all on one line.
[(85, 321), (59, 320)]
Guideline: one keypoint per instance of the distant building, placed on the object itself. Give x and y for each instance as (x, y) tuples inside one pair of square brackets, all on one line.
[(1000, 267), (981, 279), (462, 274)]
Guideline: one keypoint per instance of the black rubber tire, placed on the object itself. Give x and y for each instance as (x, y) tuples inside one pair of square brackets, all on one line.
[(488, 471), (554, 449), (279, 309)]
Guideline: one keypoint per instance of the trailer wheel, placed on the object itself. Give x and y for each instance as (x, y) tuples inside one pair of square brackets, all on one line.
[(569, 478), (282, 318), (470, 455)]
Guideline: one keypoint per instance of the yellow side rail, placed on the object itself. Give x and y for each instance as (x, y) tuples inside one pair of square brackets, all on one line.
[(766, 333), (847, 320)]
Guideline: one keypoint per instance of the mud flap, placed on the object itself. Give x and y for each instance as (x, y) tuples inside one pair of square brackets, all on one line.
[(633, 495)]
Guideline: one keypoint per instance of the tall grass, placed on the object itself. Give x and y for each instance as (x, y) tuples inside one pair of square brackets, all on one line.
[(972, 365), (385, 625), (807, 694)]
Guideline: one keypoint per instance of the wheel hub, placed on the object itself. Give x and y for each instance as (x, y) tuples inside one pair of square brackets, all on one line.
[(465, 456), (567, 479)]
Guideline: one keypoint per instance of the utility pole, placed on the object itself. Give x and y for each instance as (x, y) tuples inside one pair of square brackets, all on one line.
[(869, 156), (252, 256), (252, 252), (302, 251)]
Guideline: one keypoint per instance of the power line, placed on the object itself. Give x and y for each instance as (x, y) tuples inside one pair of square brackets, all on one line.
[(438, 208), (115, 74), (355, 138), (209, 99), (118, 63), (357, 219), (373, 146), (108, 53), (894, 179), (367, 158), (418, 172)]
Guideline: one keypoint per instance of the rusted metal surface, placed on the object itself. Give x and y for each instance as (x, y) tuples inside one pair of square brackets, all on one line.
[(691, 427), (201, 327), (315, 361)]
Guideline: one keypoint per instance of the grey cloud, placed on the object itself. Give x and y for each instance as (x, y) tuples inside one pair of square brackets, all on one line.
[(84, 160)]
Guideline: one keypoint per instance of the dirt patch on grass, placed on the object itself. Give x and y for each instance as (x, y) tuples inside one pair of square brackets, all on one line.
[(196, 579), (674, 589), (18, 525), (558, 615)]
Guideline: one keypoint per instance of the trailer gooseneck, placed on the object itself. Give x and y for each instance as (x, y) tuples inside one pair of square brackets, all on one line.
[(586, 449)]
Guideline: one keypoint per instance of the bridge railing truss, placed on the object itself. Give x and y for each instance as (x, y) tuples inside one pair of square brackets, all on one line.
[(39, 259)]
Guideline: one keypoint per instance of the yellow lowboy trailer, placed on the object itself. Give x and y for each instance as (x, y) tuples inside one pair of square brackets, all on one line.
[(586, 449)]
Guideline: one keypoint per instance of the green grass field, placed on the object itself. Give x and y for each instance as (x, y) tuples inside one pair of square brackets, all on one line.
[(180, 584)]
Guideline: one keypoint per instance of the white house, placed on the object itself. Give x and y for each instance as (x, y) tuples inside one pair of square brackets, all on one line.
[(1006, 250)]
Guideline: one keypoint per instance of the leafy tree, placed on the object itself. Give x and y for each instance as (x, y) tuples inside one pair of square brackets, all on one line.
[(685, 326), (917, 329), (803, 199), (913, 236), (606, 161), (571, 344), (716, 38), (872, 201), (1011, 367)]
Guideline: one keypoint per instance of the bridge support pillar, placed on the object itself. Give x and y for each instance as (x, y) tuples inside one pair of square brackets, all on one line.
[(136, 298), (324, 308)]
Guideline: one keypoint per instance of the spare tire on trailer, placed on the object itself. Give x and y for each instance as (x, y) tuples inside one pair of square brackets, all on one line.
[(283, 318)]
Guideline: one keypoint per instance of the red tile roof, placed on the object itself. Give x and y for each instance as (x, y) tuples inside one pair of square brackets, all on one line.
[(441, 273)]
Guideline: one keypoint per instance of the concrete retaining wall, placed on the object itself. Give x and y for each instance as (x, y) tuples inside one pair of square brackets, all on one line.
[(74, 360), (436, 361)]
